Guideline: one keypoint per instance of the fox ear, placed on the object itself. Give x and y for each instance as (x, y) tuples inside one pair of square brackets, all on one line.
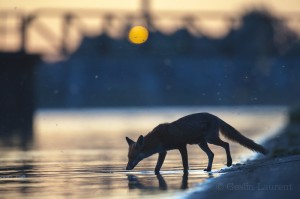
[(140, 142), (129, 141)]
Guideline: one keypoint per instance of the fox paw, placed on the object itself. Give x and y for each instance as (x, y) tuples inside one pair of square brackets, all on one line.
[(207, 170), (229, 163)]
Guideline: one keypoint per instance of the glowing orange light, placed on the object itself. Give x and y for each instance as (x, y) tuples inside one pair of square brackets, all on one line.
[(138, 34)]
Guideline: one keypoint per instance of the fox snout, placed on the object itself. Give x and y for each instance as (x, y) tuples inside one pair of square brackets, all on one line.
[(131, 165), (128, 167)]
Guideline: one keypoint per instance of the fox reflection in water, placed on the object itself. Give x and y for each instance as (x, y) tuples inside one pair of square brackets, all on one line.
[(135, 183)]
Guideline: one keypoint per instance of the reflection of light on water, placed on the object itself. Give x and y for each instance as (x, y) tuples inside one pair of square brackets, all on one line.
[(106, 128), (133, 119)]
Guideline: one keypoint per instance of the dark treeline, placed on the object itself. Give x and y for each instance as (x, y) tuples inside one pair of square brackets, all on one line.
[(255, 63)]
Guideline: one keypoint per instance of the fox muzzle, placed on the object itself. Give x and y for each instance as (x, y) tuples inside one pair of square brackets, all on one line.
[(132, 164), (129, 167)]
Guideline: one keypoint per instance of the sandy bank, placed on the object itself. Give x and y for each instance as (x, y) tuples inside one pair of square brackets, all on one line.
[(274, 178)]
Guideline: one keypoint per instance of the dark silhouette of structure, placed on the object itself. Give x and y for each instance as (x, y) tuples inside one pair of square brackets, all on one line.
[(254, 64), (17, 97)]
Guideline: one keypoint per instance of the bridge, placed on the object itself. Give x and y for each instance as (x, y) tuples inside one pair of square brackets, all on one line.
[(18, 29)]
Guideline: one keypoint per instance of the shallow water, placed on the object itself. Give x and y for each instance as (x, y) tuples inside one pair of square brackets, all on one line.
[(83, 153)]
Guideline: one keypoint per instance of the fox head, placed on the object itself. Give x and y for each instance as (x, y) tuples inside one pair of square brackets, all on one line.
[(134, 153)]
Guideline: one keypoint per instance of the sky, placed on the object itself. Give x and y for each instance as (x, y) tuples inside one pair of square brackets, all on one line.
[(231, 5), (214, 28), (227, 5)]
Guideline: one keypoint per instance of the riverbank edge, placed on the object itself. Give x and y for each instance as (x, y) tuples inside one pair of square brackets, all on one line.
[(275, 175)]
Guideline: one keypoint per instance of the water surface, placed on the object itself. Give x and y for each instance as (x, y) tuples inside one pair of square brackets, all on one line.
[(83, 153)]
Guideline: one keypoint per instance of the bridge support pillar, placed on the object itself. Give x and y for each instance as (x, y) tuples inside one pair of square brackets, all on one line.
[(16, 97)]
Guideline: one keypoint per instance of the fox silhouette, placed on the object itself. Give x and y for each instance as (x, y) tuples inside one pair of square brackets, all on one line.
[(198, 128)]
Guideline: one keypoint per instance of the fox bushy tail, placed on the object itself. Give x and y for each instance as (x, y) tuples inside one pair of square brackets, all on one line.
[(232, 134)]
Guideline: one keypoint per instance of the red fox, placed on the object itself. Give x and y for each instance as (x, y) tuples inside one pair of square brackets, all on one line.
[(198, 128)]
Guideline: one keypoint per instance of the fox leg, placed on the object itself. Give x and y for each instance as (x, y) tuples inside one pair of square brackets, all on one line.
[(160, 161), (225, 145), (203, 145), (184, 157)]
